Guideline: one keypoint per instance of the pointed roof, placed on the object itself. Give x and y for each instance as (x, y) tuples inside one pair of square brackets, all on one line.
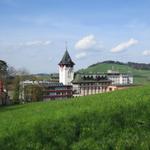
[(66, 60)]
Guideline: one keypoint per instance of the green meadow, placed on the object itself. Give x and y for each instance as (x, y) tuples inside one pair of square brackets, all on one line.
[(119, 120)]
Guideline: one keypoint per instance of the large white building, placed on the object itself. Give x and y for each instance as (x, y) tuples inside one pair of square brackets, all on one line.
[(82, 84), (87, 84)]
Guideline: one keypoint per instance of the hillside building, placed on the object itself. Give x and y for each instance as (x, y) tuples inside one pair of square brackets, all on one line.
[(78, 84), (87, 84), (82, 84)]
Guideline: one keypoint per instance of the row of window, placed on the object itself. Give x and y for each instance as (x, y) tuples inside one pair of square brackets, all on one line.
[(57, 93), (94, 84)]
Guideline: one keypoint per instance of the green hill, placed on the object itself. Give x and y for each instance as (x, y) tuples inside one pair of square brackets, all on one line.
[(141, 76), (117, 120)]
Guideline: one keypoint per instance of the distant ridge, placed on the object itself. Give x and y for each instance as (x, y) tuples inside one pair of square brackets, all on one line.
[(142, 66)]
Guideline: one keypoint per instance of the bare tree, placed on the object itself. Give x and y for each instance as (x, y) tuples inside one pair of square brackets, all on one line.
[(12, 71), (22, 72)]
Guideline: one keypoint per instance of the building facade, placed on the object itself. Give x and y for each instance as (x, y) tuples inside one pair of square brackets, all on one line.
[(50, 90), (87, 84), (54, 91), (78, 84), (120, 78), (90, 84)]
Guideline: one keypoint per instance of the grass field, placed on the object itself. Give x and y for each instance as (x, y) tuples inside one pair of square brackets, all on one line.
[(119, 120), (140, 76)]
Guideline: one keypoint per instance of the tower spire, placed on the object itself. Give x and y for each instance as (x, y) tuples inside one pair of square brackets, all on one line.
[(66, 45), (66, 60)]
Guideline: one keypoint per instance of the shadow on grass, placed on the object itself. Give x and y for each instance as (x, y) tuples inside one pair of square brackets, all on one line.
[(11, 107)]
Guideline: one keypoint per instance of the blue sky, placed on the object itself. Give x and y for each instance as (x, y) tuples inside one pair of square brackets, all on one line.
[(33, 32)]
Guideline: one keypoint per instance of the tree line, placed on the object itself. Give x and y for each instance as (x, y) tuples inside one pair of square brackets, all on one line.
[(10, 79)]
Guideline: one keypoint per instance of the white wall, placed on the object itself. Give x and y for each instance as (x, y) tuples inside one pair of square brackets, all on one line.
[(121, 79), (66, 75)]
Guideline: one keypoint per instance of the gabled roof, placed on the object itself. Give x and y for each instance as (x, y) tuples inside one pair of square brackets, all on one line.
[(66, 60)]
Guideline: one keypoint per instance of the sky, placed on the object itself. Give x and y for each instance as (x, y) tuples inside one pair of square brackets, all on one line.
[(34, 33)]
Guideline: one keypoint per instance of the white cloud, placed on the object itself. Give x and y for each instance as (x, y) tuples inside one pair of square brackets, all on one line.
[(32, 46), (81, 55), (146, 53), (87, 45), (35, 43), (88, 42), (124, 45)]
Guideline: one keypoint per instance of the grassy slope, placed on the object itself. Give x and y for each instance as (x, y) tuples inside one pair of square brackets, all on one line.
[(117, 120), (140, 76)]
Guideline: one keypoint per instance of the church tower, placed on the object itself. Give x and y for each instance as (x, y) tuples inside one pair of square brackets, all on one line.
[(66, 71)]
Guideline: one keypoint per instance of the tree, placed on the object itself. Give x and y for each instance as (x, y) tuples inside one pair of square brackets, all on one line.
[(12, 71), (3, 71), (37, 94), (16, 90), (22, 72), (3, 68), (33, 93), (3, 81)]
